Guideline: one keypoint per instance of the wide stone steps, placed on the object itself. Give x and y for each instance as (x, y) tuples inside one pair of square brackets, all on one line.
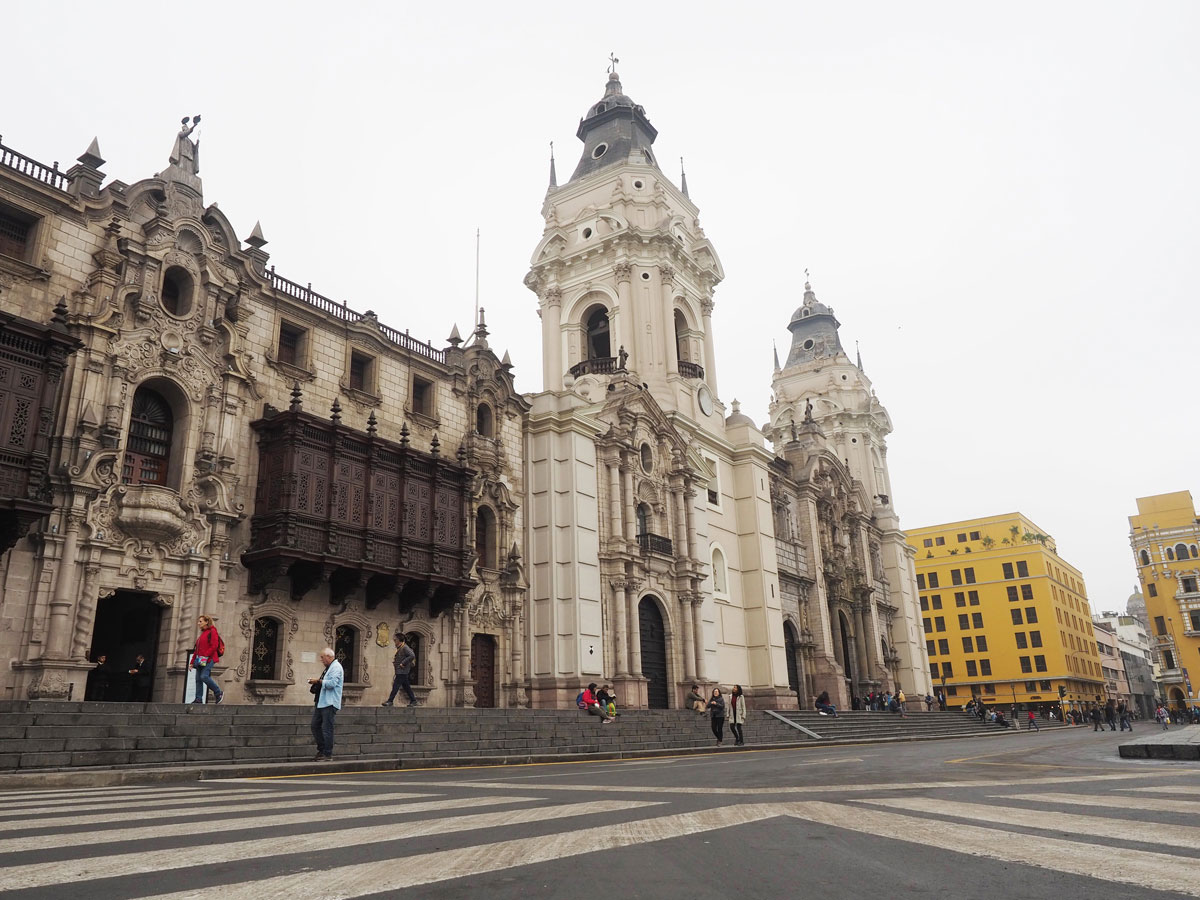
[(48, 735)]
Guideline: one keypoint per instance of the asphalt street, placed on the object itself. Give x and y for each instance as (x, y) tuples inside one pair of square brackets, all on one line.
[(1049, 815)]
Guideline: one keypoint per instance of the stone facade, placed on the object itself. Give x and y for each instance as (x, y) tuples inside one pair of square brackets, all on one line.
[(219, 439), (190, 349)]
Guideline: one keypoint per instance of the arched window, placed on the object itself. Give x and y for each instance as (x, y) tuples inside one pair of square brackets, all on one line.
[(1181, 551), (1145, 558), (345, 648), (1195, 552), (647, 455), (485, 537), (264, 650), (720, 578), (681, 328), (1170, 554), (149, 447), (595, 323), (643, 519), (177, 291), (413, 639), (483, 420)]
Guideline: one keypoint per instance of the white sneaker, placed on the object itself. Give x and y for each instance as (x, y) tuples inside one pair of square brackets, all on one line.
[(820, 713)]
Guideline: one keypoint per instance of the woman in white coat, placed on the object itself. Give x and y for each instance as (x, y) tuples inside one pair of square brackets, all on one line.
[(737, 714)]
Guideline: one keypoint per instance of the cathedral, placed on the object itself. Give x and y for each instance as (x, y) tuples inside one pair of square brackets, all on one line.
[(184, 432)]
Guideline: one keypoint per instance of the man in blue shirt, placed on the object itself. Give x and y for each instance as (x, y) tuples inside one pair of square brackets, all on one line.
[(328, 700)]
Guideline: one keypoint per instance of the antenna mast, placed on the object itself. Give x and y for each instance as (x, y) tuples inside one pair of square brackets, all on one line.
[(476, 277)]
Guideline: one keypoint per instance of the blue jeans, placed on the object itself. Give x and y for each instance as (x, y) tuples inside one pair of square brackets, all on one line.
[(401, 681), (204, 676), (322, 728)]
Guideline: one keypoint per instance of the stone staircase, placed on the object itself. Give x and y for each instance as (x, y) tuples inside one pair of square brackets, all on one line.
[(42, 735)]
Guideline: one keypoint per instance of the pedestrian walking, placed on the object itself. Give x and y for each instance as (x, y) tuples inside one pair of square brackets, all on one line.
[(1097, 719), (716, 713), (205, 655), (1162, 717), (1031, 722), (402, 664), (737, 715), (327, 700)]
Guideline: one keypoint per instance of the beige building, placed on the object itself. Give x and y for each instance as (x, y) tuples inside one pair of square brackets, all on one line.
[(867, 628), (652, 559), (223, 440)]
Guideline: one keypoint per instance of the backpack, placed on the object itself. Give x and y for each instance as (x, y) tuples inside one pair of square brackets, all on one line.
[(579, 701), (220, 646)]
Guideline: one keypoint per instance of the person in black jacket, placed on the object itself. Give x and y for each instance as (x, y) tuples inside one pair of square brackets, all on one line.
[(716, 712), (139, 679)]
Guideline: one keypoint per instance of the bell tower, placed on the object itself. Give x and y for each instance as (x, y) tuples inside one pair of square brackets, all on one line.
[(624, 273)]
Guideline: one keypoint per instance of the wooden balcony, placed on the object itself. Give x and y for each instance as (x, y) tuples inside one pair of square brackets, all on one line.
[(32, 359), (348, 507)]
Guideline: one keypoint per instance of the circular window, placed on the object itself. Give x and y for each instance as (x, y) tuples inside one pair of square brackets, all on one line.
[(638, 185), (647, 459), (600, 150), (808, 345), (854, 440), (587, 233), (645, 276), (843, 378)]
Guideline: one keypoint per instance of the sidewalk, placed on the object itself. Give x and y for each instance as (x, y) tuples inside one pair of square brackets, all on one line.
[(1178, 742)]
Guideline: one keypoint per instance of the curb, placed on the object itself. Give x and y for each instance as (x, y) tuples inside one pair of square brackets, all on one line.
[(100, 777)]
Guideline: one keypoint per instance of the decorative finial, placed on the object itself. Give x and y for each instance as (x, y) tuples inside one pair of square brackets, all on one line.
[(296, 405), (435, 446), (60, 311), (372, 425), (455, 338), (404, 434), (683, 178), (335, 412), (461, 454), (775, 350), (612, 69), (858, 353), (256, 239), (553, 174), (506, 362)]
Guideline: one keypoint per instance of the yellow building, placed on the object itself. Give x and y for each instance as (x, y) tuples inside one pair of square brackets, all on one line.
[(1006, 619), (1165, 537)]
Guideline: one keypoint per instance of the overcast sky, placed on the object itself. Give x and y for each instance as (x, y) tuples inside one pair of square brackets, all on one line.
[(1000, 202)]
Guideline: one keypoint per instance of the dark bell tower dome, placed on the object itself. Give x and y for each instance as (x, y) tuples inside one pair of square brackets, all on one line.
[(614, 129)]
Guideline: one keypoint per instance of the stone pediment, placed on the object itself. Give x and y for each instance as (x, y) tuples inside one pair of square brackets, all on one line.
[(632, 411)]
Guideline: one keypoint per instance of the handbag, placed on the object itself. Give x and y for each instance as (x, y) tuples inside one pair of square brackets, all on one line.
[(314, 689), (199, 662)]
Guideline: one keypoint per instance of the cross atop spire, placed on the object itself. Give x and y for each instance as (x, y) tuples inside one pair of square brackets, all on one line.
[(612, 68), (553, 174)]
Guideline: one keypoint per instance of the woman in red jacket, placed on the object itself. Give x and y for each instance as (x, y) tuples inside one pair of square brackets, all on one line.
[(208, 645)]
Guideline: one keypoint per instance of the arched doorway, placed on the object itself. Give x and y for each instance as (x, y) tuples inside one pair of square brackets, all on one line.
[(127, 624), (483, 670), (791, 646), (654, 652)]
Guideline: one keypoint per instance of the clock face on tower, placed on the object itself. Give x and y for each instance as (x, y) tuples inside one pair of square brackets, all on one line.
[(704, 398)]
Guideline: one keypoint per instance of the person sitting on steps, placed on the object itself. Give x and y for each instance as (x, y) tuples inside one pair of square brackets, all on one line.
[(695, 700), (824, 707)]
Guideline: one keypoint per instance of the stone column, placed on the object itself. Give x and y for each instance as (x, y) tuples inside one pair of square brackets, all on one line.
[(65, 590), (464, 655), (710, 353), (614, 501), (622, 636), (835, 633), (686, 601), (552, 369), (627, 334), (860, 645), (698, 635), (114, 407), (671, 349), (212, 587), (85, 612), (630, 515), (690, 515), (635, 628)]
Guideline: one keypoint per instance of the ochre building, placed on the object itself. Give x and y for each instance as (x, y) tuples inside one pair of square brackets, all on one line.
[(1165, 537), (1006, 619)]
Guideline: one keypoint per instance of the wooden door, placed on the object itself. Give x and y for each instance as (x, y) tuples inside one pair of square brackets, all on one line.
[(483, 670), (654, 653)]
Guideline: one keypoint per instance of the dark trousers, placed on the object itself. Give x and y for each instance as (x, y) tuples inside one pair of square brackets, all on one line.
[(718, 728), (401, 681), (736, 730), (322, 728)]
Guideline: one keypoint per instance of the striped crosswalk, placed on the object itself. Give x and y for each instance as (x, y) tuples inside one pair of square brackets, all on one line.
[(339, 838)]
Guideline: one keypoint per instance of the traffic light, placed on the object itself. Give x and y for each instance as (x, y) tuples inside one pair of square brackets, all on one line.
[(1062, 691)]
